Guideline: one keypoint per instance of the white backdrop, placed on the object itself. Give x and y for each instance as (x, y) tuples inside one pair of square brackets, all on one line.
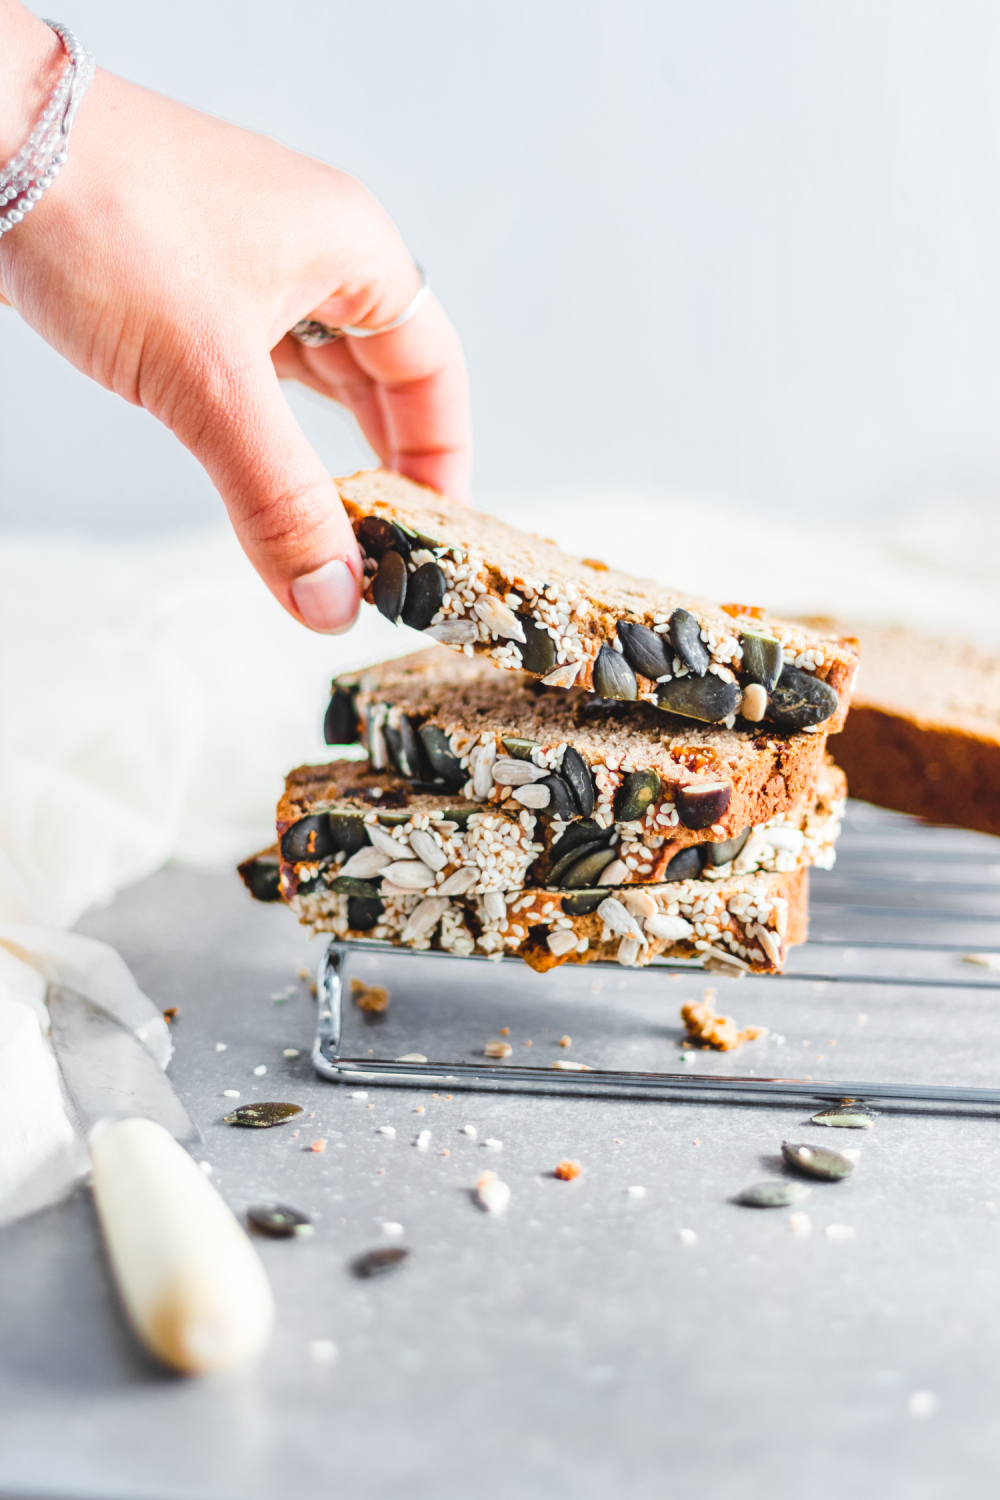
[(739, 251)]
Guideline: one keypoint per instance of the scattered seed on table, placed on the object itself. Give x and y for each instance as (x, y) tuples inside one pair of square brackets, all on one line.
[(846, 1117), (323, 1351), (492, 1144), (817, 1161), (840, 1232), (776, 1193), (567, 1170), (565, 1066), (230, 1093), (391, 1229), (358, 1094), (687, 1236), (263, 1116), (497, 1049), (389, 1130), (799, 1223), (416, 1057), (636, 1191), (922, 1404), (493, 1195), (852, 1153), (470, 1131), (260, 1070), (279, 1221), (221, 1047), (378, 1262), (206, 1167), (423, 1140), (291, 1052)]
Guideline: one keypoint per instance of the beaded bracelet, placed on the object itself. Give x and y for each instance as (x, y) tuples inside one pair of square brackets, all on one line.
[(35, 167)]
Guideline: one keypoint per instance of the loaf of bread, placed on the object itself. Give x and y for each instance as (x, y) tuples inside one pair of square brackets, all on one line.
[(481, 586), (923, 735), (449, 719)]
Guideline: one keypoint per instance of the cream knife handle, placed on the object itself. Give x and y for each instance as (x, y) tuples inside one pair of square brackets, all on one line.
[(191, 1281)]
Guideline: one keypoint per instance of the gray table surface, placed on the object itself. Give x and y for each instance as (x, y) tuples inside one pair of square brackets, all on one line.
[(577, 1345)]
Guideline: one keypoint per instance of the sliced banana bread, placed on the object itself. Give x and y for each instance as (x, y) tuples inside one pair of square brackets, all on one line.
[(482, 586)]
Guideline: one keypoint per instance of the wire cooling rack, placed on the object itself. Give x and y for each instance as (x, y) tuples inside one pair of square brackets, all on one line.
[(905, 902)]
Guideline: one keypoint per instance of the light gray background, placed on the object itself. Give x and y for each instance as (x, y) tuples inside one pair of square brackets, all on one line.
[(742, 252)]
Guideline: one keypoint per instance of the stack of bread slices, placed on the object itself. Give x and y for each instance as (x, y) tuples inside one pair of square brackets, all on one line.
[(581, 765)]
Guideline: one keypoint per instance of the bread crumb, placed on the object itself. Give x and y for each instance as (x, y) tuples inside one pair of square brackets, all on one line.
[(565, 1041), (493, 1195), (505, 1031), (318, 1145), (373, 998), (708, 1029), (567, 1170), (170, 1014)]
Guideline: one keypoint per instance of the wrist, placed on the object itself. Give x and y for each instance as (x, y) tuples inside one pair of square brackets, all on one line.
[(31, 61)]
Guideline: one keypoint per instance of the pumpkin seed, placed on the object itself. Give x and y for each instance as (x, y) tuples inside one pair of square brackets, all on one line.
[(817, 1161), (425, 590), (378, 1262), (613, 677), (262, 1116), (702, 803), (800, 700), (561, 802), (848, 1116), (519, 749), (576, 773), (348, 831), (721, 854), (687, 865), (377, 537), (637, 791), (710, 698), (389, 586), (279, 1221), (583, 831), (569, 859), (346, 885), (340, 723), (587, 869), (394, 744), (444, 762), (538, 649), (310, 838), (684, 632), (410, 758), (644, 650), (393, 819), (364, 912), (262, 877), (763, 658), (582, 903), (777, 1193)]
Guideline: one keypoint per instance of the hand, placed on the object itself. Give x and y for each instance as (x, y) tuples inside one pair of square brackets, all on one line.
[(168, 261)]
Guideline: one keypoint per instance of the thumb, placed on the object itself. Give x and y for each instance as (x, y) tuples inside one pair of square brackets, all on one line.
[(282, 503)]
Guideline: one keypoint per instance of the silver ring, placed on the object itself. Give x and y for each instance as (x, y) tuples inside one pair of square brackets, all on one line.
[(315, 335)]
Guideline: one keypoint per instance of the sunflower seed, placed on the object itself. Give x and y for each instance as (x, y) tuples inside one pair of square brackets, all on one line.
[(536, 796), (687, 865), (562, 942), (628, 950), (640, 903), (799, 700), (459, 882), (389, 586), (637, 791), (670, 929), (774, 1194), (519, 749), (310, 838), (702, 803), (643, 649), (498, 619), (561, 804), (366, 863), (377, 537), (262, 1116), (492, 1194), (616, 873), (582, 903), (454, 632), (762, 658), (424, 847), (817, 1161), (510, 772), (497, 1048), (685, 636), (424, 918), (790, 840), (443, 762), (395, 848), (564, 676), (378, 1262), (538, 649), (340, 723), (494, 905), (613, 677), (577, 775), (614, 915), (587, 870), (846, 1116), (754, 704), (409, 875), (364, 912), (278, 1221), (709, 699), (376, 739), (425, 589), (721, 854)]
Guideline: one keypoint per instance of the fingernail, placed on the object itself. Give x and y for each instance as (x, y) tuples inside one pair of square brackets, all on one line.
[(328, 599)]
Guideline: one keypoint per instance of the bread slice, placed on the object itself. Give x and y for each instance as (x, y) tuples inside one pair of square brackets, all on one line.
[(346, 829), (437, 715), (483, 587), (744, 924), (923, 735)]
